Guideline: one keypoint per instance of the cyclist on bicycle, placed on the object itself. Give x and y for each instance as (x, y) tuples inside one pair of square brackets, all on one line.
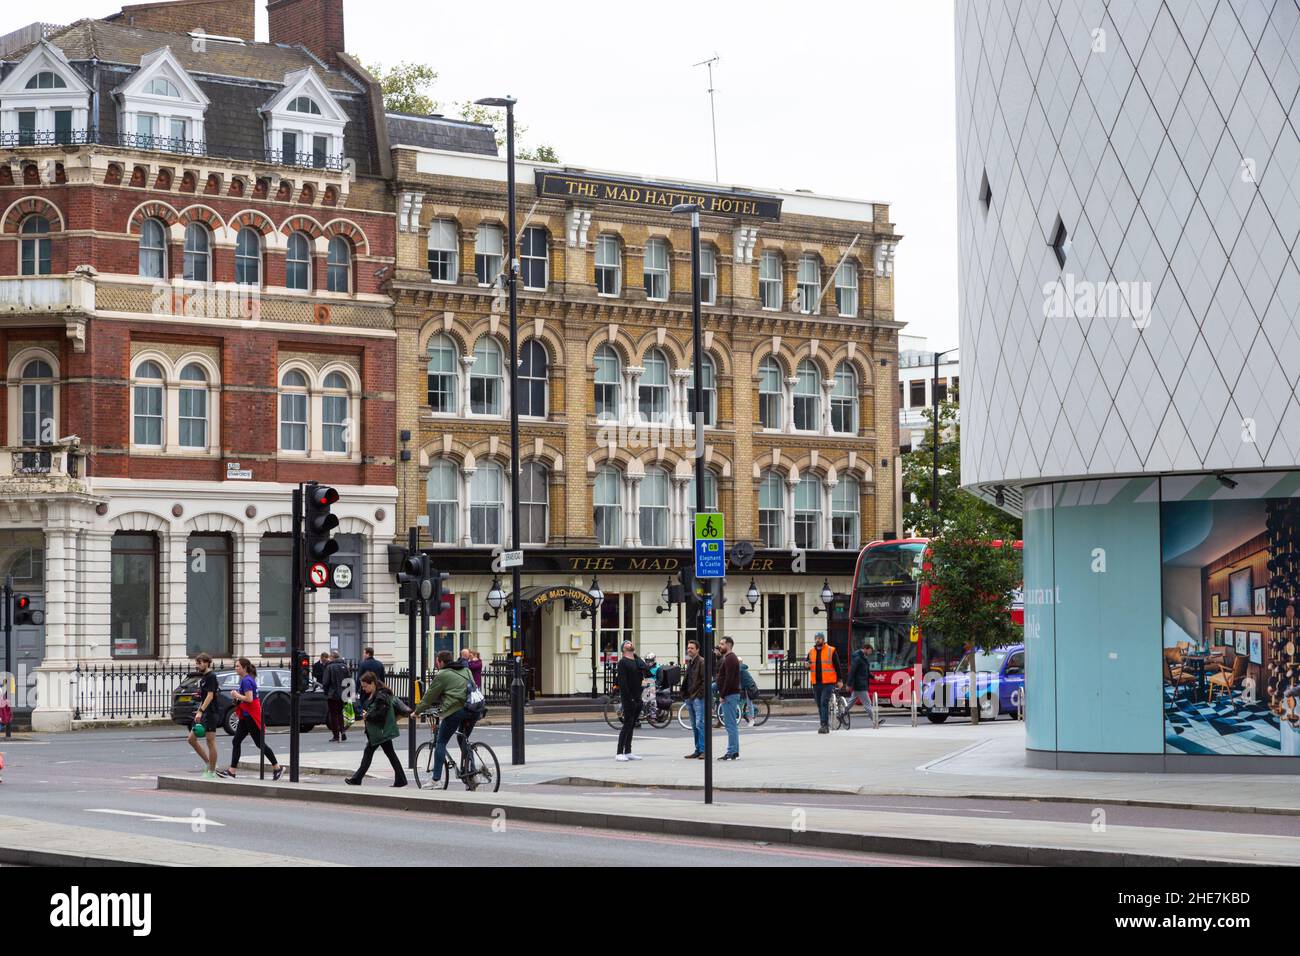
[(446, 694)]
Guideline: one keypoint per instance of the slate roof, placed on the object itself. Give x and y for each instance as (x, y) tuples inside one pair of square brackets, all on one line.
[(439, 132), (113, 43)]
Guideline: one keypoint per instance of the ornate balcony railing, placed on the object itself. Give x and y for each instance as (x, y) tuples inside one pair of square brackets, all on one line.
[(59, 461), (163, 144), (11, 139), (311, 160)]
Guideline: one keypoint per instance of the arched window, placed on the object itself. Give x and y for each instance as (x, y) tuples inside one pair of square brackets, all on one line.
[(36, 246), (770, 281), (652, 400), (153, 249), (444, 251), (486, 504), (161, 86), (533, 370), (338, 273), (193, 430), (607, 507), (293, 411), (656, 270), (609, 377), (709, 386), (846, 289), (334, 414), (148, 405), (442, 374), (489, 250), (198, 265), (248, 256), (807, 398), (708, 275), (533, 257), (37, 403), (443, 502), (654, 508), (844, 400), (485, 378), (844, 515), (303, 104), (771, 510), (809, 284), (771, 393), (297, 262), (710, 499), (609, 266), (533, 503), (808, 512), (46, 80)]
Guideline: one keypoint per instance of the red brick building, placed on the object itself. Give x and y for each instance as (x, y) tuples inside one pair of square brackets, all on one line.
[(195, 239)]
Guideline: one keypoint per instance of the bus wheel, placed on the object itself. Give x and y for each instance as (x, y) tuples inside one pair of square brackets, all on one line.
[(936, 718)]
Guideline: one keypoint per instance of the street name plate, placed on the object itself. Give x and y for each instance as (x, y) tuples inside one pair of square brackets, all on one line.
[(512, 559)]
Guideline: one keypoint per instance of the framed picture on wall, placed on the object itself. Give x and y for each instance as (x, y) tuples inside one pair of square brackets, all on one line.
[(1223, 609), (1239, 586), (1256, 647), (1261, 602), (1218, 637), (1214, 605), (1242, 642)]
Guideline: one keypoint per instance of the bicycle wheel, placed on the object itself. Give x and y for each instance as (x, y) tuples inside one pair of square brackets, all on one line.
[(684, 715), (844, 718), (663, 717), (762, 710), (424, 775), (486, 771), (614, 712)]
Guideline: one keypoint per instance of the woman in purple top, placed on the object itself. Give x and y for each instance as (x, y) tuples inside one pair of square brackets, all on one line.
[(475, 665)]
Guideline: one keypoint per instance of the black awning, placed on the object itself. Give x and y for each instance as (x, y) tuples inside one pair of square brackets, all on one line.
[(539, 596)]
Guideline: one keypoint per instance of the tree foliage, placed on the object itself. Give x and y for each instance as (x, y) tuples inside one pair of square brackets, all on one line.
[(406, 87), (918, 469), (496, 118)]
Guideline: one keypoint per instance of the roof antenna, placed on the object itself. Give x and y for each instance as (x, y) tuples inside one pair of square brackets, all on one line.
[(712, 112)]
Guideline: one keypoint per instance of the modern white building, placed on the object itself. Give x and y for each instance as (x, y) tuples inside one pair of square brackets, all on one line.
[(917, 386)]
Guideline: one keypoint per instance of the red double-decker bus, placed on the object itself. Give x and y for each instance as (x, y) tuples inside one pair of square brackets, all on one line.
[(887, 598)]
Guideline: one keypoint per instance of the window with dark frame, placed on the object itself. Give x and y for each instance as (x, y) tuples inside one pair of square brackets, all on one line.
[(208, 609), (133, 595)]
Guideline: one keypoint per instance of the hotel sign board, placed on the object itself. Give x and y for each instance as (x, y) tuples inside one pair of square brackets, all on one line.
[(580, 187)]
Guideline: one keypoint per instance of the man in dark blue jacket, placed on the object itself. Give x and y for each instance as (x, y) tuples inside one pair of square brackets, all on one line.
[(859, 682), (369, 664)]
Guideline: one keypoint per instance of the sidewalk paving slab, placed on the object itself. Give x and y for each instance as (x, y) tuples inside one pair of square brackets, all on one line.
[(1024, 842)]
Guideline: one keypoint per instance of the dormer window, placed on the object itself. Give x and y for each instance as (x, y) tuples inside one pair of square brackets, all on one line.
[(46, 80), (304, 123), (160, 86), (161, 108)]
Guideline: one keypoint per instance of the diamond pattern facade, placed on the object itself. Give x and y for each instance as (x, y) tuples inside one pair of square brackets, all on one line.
[(1166, 138)]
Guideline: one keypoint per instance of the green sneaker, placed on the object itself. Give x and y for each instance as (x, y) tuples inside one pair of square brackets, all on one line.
[(209, 775)]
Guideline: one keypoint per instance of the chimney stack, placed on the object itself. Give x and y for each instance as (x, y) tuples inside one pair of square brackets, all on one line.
[(315, 24), (226, 18)]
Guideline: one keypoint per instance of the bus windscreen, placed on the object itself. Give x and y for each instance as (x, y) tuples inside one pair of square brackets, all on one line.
[(891, 564)]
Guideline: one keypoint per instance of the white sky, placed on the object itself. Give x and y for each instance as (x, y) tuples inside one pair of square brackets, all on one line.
[(852, 99)]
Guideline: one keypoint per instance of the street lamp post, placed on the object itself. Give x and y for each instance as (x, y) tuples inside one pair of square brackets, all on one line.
[(517, 693), (698, 392), (934, 404), (598, 596)]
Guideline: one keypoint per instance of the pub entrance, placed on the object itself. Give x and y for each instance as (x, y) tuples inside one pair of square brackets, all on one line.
[(538, 606)]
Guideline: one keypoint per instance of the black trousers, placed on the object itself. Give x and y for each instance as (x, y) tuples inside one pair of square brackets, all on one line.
[(334, 715), (247, 728), (631, 711), (399, 775)]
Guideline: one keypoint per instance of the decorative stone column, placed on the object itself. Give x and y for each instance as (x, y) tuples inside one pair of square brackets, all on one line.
[(633, 375), (683, 535), (790, 485), (827, 385), (632, 532), (467, 475), (828, 488), (467, 362), (681, 416)]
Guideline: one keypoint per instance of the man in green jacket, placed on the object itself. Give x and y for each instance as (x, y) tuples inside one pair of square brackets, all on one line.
[(447, 693)]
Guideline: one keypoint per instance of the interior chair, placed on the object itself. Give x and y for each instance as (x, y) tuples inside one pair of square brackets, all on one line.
[(1225, 681)]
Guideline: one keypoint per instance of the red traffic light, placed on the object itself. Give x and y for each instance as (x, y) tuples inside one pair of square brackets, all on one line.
[(22, 602), (324, 496)]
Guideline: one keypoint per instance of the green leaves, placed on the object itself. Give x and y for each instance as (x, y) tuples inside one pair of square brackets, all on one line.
[(406, 87)]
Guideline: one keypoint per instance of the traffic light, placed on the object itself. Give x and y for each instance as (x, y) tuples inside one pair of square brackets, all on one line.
[(438, 603), (693, 590), (301, 671), (24, 613), (414, 582), (318, 526)]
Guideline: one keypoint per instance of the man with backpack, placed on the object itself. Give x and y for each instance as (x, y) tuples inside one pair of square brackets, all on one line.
[(859, 682), (457, 700), (336, 677)]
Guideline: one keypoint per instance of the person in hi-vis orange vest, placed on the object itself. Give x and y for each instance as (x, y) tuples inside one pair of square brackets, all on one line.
[(822, 676)]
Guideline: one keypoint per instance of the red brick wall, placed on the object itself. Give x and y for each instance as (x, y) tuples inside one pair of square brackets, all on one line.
[(231, 18), (316, 24)]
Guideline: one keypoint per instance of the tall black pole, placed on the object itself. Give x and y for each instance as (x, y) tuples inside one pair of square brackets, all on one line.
[(595, 636), (9, 650), (412, 545), (517, 683), (698, 389), (295, 645), (934, 407)]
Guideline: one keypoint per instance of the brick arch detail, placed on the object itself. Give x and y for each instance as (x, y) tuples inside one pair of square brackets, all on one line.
[(819, 361), (782, 356), (152, 209), (20, 209), (304, 224), (254, 218), (201, 214), (551, 342), (350, 231), (859, 362), (433, 327), (622, 345), (677, 356)]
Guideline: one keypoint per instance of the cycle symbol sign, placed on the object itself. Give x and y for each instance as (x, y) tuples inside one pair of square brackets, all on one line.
[(710, 546)]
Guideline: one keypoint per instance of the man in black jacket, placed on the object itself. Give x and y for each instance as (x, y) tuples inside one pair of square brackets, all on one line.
[(318, 669), (336, 676), (629, 676), (859, 682)]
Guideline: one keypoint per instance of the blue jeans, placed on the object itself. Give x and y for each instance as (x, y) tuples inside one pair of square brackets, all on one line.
[(823, 694), (446, 729), (696, 708), (730, 715)]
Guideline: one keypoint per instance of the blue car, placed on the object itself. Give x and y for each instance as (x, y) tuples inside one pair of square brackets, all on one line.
[(1000, 683)]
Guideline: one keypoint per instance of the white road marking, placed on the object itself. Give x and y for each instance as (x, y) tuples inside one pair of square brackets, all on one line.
[(156, 818), (888, 806), (534, 730)]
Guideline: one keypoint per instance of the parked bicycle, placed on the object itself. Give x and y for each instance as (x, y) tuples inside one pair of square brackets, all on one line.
[(478, 769), (614, 712), (840, 717), (757, 709)]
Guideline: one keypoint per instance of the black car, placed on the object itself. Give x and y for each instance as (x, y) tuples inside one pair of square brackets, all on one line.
[(272, 690)]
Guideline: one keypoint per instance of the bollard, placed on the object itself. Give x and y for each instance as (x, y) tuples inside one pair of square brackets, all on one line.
[(875, 711), (913, 706)]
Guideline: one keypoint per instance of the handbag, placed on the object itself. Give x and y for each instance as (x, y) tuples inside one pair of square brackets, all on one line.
[(402, 707)]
